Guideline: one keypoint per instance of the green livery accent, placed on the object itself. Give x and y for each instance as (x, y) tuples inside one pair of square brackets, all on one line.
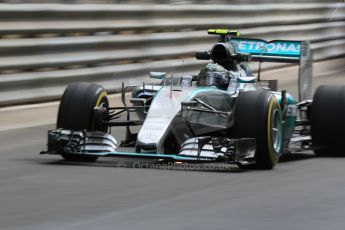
[(246, 79), (290, 121), (289, 98), (173, 157)]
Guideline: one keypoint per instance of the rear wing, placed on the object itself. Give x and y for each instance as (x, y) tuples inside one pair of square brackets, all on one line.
[(283, 51)]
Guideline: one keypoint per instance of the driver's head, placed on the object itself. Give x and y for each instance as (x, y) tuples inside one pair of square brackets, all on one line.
[(214, 75)]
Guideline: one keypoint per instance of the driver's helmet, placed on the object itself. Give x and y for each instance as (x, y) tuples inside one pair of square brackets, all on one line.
[(214, 75)]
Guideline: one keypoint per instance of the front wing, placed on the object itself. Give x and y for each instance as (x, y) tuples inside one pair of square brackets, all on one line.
[(197, 150)]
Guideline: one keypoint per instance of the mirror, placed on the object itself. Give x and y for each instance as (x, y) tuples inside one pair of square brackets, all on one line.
[(138, 100), (158, 75), (189, 103), (202, 55)]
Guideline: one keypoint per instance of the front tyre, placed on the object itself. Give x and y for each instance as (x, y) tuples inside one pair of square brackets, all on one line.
[(328, 120), (76, 111), (258, 115)]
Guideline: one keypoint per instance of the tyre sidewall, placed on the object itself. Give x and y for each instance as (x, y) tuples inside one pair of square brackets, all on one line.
[(328, 120), (253, 119), (76, 106)]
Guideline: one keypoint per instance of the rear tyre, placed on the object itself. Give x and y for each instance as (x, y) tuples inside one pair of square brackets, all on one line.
[(76, 111), (258, 115), (328, 120)]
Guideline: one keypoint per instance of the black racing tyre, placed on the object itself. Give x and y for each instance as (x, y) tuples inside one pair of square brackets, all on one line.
[(258, 115), (328, 120), (76, 111)]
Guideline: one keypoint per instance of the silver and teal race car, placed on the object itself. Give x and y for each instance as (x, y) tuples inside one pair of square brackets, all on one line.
[(222, 114)]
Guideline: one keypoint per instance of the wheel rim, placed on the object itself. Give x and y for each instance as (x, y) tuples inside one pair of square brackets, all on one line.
[(276, 131), (101, 103)]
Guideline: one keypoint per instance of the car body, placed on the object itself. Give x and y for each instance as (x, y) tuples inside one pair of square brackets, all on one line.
[(248, 123)]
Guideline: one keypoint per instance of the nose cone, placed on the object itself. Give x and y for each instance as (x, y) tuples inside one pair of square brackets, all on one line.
[(164, 108), (153, 133)]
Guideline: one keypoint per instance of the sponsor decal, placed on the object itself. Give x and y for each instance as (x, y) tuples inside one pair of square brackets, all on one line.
[(291, 111), (148, 137), (261, 47)]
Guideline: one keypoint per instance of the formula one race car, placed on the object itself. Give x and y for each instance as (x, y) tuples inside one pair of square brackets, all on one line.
[(223, 114)]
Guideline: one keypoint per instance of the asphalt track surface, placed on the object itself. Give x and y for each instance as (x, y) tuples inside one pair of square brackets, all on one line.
[(45, 192)]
